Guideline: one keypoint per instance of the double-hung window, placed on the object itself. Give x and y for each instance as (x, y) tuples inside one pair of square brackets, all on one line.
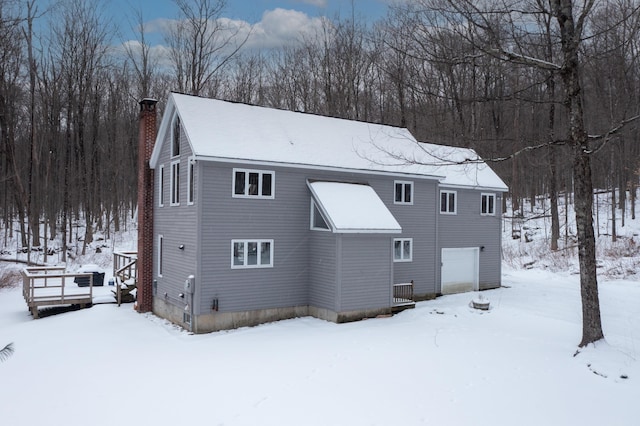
[(251, 253), (448, 202), (403, 249), (161, 186), (403, 192), (175, 183), (253, 183), (160, 248), (191, 180), (488, 204)]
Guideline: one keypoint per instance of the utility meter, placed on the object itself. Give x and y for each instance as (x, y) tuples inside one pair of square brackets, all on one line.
[(189, 284)]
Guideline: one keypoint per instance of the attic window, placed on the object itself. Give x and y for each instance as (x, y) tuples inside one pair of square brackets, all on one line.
[(175, 137)]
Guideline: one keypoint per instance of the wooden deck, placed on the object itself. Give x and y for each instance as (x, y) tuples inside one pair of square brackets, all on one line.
[(53, 286)]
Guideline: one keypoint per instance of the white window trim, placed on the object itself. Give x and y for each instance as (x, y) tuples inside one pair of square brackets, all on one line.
[(455, 201), (173, 127), (312, 218), (261, 173), (488, 195), (161, 186), (246, 248), (191, 189), (403, 183), (160, 250), (402, 240), (174, 189)]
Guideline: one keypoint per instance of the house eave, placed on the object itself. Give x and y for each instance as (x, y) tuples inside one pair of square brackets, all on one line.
[(475, 187), (316, 167)]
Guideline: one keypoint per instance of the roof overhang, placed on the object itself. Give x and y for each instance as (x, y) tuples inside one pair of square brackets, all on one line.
[(353, 208)]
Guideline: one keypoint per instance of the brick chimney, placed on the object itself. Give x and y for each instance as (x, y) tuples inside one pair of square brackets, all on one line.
[(146, 141)]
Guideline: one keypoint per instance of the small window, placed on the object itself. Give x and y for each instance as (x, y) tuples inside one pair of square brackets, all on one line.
[(175, 183), (175, 137), (191, 181), (403, 249), (253, 183), (403, 192), (488, 204), (251, 253), (317, 221), (161, 186), (448, 202), (160, 248)]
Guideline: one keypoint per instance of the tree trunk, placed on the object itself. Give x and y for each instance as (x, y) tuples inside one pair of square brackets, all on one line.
[(582, 181)]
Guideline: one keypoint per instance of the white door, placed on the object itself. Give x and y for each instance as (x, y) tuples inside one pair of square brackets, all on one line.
[(459, 269)]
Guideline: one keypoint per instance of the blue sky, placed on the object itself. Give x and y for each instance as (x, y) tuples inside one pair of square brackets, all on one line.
[(273, 21)]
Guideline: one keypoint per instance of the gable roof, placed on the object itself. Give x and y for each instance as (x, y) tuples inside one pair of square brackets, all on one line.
[(235, 132)]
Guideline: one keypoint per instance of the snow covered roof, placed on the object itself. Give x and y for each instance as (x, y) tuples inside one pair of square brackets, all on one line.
[(353, 208), (228, 131)]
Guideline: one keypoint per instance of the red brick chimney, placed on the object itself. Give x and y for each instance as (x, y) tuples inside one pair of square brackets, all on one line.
[(146, 141)]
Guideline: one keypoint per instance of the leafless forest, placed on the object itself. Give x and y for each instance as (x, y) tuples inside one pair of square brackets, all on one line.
[(508, 78)]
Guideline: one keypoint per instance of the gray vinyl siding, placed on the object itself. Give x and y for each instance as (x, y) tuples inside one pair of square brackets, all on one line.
[(418, 222), (468, 228), (284, 219), (323, 272), (178, 226), (365, 271)]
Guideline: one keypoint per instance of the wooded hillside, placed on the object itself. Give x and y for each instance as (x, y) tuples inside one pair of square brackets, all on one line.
[(451, 73)]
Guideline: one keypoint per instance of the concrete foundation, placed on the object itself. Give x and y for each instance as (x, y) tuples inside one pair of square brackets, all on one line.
[(217, 321)]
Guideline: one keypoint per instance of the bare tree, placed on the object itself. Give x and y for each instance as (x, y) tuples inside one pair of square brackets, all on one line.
[(507, 31), (201, 43), (140, 56)]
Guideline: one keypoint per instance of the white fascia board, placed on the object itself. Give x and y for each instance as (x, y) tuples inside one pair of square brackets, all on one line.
[(320, 168)]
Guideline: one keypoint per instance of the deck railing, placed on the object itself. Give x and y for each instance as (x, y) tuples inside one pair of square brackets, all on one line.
[(403, 293), (125, 269), (50, 286)]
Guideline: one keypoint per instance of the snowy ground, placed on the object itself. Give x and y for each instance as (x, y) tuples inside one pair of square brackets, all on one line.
[(442, 363)]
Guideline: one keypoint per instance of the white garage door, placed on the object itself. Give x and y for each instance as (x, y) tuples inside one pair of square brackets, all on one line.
[(459, 269)]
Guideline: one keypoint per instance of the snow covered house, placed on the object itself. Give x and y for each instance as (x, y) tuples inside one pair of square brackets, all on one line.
[(258, 214)]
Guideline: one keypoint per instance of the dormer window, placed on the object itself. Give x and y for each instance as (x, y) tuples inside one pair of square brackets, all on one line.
[(175, 137)]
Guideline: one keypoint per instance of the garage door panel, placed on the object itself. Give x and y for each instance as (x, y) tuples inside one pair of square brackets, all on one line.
[(459, 270)]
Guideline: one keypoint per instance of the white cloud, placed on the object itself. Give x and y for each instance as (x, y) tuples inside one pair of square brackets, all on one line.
[(281, 27), (277, 28)]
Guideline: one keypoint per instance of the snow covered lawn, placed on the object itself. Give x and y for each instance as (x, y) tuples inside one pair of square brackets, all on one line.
[(442, 363)]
